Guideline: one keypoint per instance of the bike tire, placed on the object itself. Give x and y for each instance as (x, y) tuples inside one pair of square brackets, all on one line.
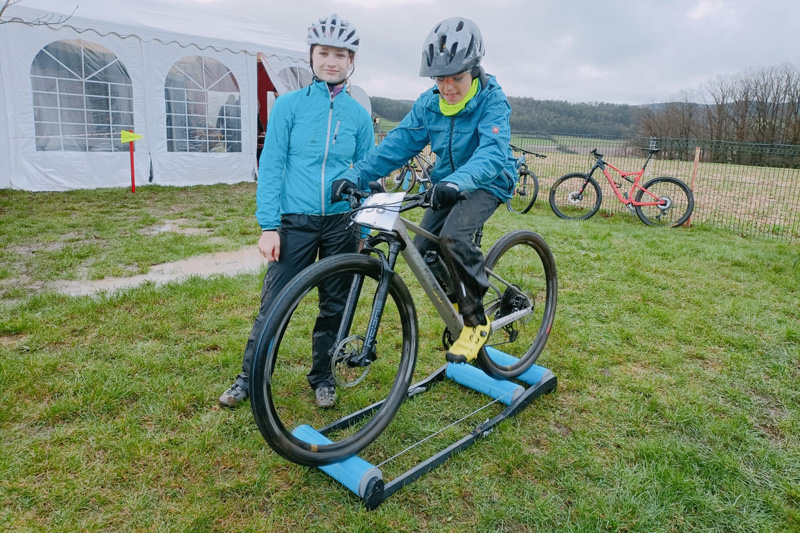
[(681, 202), (525, 192), (566, 200), (402, 179), (524, 261), (280, 395)]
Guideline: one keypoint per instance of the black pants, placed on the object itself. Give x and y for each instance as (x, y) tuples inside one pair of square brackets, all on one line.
[(303, 238), (456, 227)]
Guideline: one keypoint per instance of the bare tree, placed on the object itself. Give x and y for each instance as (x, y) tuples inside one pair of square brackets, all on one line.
[(43, 20), (756, 106)]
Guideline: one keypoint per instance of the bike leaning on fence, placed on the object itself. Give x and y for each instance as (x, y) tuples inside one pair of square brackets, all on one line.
[(663, 201), (416, 171), (374, 351), (527, 188)]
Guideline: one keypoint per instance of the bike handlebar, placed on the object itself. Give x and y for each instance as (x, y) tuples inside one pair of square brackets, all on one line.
[(411, 201), (523, 150), (597, 154)]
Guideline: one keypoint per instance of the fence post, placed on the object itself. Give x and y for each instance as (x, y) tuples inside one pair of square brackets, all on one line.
[(694, 179)]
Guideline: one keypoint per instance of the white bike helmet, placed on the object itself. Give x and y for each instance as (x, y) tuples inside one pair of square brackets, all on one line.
[(454, 45), (333, 31)]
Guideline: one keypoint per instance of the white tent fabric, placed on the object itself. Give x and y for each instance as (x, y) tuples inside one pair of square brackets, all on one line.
[(148, 39)]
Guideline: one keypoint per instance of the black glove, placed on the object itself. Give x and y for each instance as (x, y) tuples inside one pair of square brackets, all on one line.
[(341, 187), (443, 194), (375, 186)]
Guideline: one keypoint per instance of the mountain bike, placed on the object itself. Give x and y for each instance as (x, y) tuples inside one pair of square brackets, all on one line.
[(416, 171), (373, 351), (527, 187), (663, 201)]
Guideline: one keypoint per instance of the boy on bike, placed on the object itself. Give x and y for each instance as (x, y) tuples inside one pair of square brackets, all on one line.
[(465, 119)]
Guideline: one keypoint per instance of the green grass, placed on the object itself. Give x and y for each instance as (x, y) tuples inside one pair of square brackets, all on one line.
[(677, 354)]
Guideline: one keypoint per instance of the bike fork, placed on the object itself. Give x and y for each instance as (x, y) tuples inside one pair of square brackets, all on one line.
[(368, 350)]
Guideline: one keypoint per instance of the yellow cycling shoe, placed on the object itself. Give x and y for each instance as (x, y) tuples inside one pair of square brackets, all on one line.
[(469, 343)]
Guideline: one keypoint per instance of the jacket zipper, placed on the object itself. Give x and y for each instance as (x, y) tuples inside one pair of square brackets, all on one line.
[(325, 157), (336, 132), (450, 144)]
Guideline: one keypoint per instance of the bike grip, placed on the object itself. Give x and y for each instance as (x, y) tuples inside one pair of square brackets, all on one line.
[(375, 186)]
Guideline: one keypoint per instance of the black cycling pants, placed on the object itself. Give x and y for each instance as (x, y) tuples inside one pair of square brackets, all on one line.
[(303, 239), (456, 227)]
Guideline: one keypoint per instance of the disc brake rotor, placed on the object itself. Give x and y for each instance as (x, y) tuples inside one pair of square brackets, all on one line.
[(344, 371)]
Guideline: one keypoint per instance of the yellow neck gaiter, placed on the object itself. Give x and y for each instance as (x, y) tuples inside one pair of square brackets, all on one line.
[(449, 110)]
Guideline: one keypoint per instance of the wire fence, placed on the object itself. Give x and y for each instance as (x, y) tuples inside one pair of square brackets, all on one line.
[(750, 189)]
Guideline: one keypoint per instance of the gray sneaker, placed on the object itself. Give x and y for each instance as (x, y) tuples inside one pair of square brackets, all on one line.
[(233, 396), (325, 396)]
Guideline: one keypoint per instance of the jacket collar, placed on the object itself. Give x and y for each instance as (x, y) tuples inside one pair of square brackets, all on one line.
[(487, 84), (322, 86)]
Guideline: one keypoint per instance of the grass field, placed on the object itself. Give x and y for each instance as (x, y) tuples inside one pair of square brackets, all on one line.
[(677, 354)]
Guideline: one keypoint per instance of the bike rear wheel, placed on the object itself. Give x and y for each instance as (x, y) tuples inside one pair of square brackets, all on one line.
[(400, 180), (302, 319), (677, 206), (523, 281), (575, 197), (524, 194)]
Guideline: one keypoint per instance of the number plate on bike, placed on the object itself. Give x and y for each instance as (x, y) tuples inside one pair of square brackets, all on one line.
[(380, 211)]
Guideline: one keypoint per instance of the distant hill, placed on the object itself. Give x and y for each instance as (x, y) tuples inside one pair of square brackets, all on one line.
[(534, 116)]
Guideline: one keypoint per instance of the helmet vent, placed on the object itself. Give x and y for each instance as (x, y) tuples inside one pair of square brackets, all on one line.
[(470, 47), (460, 25)]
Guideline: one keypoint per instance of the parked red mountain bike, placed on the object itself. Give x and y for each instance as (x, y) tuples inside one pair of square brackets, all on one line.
[(663, 201)]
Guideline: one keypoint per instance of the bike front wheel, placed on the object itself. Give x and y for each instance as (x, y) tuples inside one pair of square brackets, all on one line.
[(523, 288), (524, 194), (676, 202), (326, 311), (400, 180), (575, 197)]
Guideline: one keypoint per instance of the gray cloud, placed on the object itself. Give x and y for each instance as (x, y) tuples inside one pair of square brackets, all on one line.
[(622, 51)]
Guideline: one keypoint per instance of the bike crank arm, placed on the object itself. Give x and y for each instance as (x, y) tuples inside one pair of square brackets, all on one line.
[(508, 319)]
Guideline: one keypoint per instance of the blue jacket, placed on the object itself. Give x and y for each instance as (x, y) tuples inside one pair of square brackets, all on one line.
[(472, 147), (311, 140)]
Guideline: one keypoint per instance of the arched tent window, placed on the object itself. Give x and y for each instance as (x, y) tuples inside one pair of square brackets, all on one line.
[(296, 77), (82, 97), (203, 107)]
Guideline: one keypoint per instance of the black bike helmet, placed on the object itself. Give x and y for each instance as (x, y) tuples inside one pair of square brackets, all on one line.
[(454, 45)]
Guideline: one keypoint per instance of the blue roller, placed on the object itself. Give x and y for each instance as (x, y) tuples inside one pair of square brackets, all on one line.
[(474, 378), (532, 376), (354, 472)]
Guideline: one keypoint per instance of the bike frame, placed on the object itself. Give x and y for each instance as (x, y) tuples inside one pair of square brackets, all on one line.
[(401, 244), (625, 198)]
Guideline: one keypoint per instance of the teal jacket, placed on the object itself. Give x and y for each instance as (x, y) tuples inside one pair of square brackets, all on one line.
[(312, 139), (472, 147)]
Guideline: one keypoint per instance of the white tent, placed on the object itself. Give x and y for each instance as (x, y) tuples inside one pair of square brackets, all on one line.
[(74, 73)]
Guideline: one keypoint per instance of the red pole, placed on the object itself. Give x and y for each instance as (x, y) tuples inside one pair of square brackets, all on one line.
[(133, 179)]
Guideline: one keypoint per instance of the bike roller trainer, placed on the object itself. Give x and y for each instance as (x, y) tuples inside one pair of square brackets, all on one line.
[(366, 481)]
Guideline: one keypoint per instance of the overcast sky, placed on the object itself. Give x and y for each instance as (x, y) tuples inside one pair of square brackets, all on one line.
[(620, 51)]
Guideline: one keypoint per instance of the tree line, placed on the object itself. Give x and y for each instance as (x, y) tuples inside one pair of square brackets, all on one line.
[(543, 116), (756, 106), (759, 105)]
